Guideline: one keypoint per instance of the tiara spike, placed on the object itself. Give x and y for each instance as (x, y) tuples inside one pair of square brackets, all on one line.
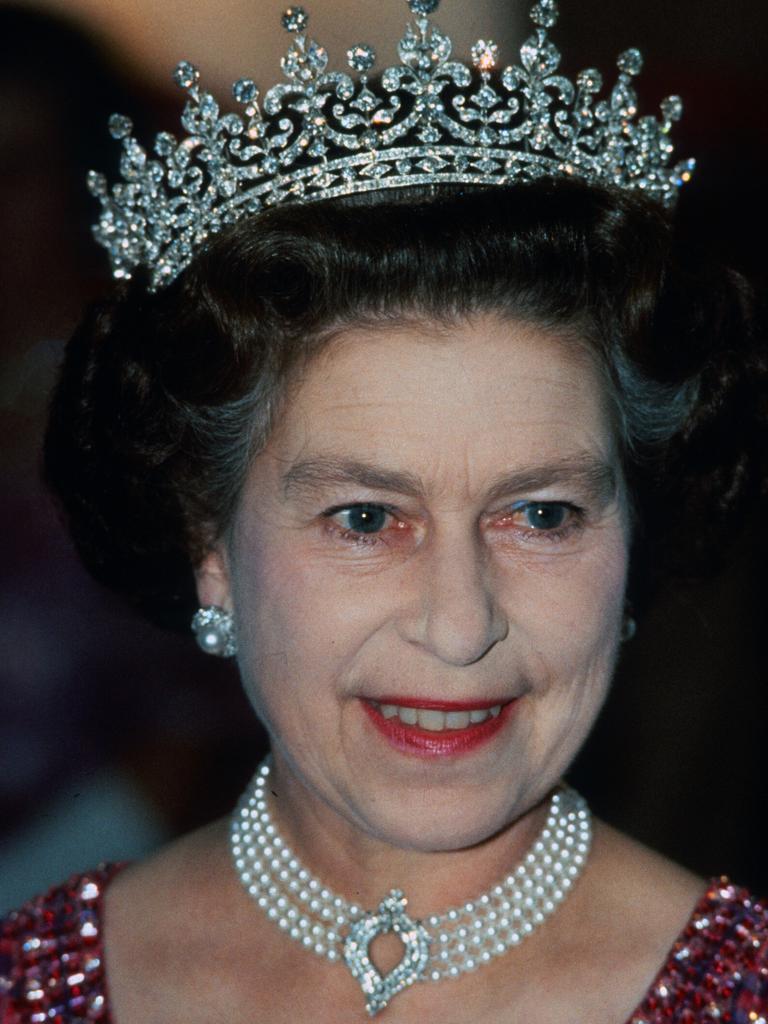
[(429, 120), (295, 19), (423, 8), (545, 13), (630, 62), (120, 126)]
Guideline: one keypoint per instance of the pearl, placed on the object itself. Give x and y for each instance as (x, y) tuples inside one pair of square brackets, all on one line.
[(464, 937)]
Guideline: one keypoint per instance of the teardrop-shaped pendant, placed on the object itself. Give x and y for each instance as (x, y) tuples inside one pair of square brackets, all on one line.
[(390, 917)]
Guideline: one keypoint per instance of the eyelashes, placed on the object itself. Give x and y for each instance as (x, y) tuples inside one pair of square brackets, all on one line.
[(362, 524), (363, 520), (367, 524)]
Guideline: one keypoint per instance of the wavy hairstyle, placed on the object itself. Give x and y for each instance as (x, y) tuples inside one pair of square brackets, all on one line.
[(164, 398)]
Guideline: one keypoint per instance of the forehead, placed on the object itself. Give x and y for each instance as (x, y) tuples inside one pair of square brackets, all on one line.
[(440, 397)]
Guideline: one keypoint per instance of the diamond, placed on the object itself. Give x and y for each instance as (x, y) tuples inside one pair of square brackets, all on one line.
[(390, 917), (683, 172), (590, 80), (186, 75), (630, 62), (244, 90), (317, 57), (361, 57), (295, 19), (672, 108), (209, 108), (120, 127), (423, 7), (540, 59), (484, 55), (97, 183), (544, 13), (424, 120), (291, 65), (165, 144)]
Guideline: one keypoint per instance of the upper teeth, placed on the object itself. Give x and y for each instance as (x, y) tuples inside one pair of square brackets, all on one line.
[(437, 721)]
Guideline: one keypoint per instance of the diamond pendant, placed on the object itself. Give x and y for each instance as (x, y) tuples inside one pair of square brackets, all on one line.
[(390, 917)]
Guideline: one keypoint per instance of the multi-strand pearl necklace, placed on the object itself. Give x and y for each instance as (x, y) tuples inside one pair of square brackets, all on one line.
[(441, 945)]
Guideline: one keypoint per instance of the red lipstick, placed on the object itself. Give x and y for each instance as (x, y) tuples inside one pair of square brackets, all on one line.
[(410, 739)]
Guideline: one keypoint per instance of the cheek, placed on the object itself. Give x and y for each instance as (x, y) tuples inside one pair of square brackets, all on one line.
[(577, 650), (299, 623), (571, 615)]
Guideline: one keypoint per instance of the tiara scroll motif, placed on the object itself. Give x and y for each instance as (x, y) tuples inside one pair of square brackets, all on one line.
[(429, 120)]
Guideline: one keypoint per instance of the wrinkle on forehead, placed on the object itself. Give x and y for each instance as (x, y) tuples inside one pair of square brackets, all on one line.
[(506, 405)]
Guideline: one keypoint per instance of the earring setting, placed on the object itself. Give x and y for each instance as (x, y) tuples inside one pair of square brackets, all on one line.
[(214, 630)]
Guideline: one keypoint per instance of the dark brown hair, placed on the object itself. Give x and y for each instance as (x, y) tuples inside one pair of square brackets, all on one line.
[(164, 398)]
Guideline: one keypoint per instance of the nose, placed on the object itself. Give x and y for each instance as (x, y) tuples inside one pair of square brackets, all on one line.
[(454, 613)]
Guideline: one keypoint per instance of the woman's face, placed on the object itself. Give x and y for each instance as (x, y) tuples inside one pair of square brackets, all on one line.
[(437, 525)]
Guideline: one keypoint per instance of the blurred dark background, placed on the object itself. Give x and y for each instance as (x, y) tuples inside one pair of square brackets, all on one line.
[(115, 736)]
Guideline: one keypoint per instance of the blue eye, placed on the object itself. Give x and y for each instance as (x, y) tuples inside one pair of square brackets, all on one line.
[(363, 518), (544, 515)]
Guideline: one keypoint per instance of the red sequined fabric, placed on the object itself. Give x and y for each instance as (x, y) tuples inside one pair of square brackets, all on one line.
[(718, 968), (52, 965), (51, 958)]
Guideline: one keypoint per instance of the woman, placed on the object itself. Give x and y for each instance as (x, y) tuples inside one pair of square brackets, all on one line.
[(403, 441)]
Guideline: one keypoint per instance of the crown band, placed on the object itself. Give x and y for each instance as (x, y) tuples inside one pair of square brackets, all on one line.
[(322, 134)]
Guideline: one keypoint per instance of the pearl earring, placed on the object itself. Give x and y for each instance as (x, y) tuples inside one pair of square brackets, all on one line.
[(214, 630)]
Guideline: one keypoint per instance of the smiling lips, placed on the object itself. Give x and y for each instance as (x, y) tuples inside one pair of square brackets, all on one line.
[(437, 728)]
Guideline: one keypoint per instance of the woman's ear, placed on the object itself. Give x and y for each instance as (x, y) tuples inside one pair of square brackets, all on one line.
[(212, 577)]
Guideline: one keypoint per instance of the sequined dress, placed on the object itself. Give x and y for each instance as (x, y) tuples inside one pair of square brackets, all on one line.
[(52, 961)]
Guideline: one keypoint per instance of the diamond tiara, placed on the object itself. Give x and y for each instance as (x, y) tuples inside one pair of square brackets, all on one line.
[(426, 121)]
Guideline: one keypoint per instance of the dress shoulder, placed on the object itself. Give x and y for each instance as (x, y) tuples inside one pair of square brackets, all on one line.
[(717, 969), (51, 961)]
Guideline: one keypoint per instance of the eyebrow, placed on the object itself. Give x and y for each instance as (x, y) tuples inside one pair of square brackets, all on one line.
[(584, 471)]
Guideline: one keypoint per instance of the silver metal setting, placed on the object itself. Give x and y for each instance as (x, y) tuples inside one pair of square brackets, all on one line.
[(428, 120), (439, 946)]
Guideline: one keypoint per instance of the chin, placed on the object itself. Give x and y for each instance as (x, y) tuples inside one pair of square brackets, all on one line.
[(430, 822)]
